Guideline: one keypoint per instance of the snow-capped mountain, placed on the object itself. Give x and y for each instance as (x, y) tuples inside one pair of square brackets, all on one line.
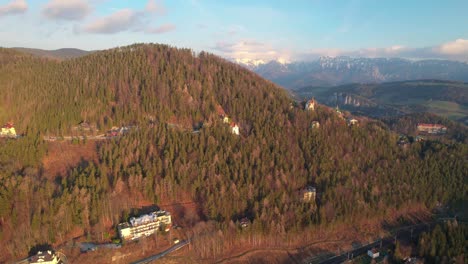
[(329, 71), (249, 63), (253, 64)]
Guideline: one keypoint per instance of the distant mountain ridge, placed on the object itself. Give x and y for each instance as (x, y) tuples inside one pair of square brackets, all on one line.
[(332, 71), (61, 54)]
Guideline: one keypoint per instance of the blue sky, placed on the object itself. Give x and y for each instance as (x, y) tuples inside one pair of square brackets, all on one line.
[(266, 29)]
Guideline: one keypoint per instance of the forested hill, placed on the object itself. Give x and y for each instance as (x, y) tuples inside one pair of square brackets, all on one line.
[(126, 85), (360, 172)]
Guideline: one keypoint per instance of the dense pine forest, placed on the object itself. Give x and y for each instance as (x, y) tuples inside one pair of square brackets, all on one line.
[(360, 172), (447, 243)]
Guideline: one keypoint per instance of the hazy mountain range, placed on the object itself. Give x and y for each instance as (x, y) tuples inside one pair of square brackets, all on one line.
[(65, 53), (328, 71)]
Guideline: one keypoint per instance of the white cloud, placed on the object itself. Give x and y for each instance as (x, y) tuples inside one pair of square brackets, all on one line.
[(251, 50), (14, 7), (457, 47), (162, 29), (121, 20), (66, 9), (129, 20)]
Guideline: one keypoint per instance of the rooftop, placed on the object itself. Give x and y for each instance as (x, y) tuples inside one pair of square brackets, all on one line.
[(147, 218), (43, 256), (431, 125), (8, 125)]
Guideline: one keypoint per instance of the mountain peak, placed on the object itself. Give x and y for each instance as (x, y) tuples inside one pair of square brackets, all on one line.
[(249, 62), (255, 63)]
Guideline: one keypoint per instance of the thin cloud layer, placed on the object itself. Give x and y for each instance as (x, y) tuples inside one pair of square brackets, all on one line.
[(254, 50), (66, 9), (14, 7), (121, 20), (162, 29), (408, 53)]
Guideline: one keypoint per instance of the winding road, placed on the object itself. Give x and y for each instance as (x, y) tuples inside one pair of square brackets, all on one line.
[(405, 233), (162, 254)]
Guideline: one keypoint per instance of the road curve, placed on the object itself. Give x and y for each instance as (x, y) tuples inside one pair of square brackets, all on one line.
[(162, 254), (385, 242)]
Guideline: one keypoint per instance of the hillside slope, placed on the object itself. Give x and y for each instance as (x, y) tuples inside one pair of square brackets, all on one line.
[(360, 173), (129, 85)]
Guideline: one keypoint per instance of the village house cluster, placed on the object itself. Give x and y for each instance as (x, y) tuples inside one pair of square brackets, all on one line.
[(145, 225), (225, 119)]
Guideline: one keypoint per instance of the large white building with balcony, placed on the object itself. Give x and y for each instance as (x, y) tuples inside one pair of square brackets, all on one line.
[(145, 225)]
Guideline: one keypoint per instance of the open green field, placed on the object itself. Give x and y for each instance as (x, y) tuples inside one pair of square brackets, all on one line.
[(447, 109)]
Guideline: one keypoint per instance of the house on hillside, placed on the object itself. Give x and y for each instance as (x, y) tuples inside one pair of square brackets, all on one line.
[(144, 225), (308, 193), (226, 119), (403, 141), (432, 128), (8, 130), (44, 257), (352, 121), (235, 128), (373, 253), (244, 222), (419, 139), (310, 105), (315, 124)]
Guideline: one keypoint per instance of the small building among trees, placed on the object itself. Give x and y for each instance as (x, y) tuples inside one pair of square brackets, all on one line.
[(144, 225), (373, 253), (244, 222), (315, 124), (352, 122), (308, 193), (44, 257), (235, 128), (8, 130), (432, 128), (310, 105)]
